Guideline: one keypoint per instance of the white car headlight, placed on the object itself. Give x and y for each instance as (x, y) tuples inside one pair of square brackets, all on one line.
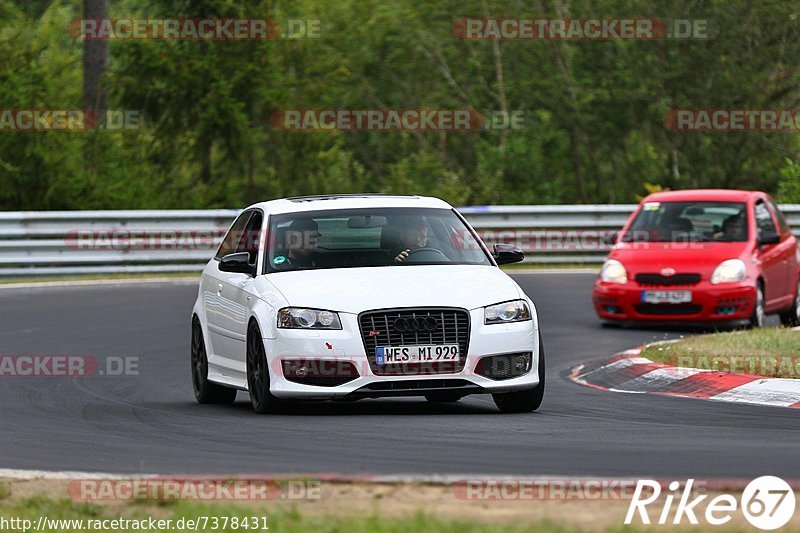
[(515, 311), (729, 271), (303, 318), (613, 272)]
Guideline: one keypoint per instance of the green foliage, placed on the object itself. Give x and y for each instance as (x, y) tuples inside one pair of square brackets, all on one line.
[(789, 188), (593, 128), (650, 188)]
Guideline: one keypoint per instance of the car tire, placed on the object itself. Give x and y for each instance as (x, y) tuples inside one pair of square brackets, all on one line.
[(261, 398), (791, 317), (757, 318), (443, 397), (524, 401), (205, 392)]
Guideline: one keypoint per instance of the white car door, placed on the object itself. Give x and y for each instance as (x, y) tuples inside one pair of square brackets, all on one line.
[(238, 295), (223, 312)]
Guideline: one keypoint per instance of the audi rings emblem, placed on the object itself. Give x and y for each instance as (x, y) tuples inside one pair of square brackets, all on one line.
[(423, 324)]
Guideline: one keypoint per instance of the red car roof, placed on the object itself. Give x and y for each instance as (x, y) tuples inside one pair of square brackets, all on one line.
[(699, 195)]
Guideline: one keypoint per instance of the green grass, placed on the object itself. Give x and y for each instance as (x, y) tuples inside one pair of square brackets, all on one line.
[(772, 352), (5, 491), (276, 520)]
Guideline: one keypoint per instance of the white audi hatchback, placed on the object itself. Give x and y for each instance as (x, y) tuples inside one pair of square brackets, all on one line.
[(343, 297)]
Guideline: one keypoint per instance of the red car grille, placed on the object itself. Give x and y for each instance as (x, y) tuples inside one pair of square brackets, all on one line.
[(657, 280)]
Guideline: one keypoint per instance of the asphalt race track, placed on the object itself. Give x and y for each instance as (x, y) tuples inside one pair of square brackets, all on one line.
[(150, 423)]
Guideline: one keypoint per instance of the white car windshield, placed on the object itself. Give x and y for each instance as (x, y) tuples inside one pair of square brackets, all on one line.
[(370, 237)]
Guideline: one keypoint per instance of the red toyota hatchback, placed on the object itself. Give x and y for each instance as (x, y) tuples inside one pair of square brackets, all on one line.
[(702, 256)]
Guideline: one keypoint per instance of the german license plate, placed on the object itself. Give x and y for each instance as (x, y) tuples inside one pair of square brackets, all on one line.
[(666, 297), (385, 355)]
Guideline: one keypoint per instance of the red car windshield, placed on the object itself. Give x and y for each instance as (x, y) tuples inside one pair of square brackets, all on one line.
[(689, 222)]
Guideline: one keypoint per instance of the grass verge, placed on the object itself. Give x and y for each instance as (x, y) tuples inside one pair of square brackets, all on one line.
[(770, 352), (340, 507), (66, 516)]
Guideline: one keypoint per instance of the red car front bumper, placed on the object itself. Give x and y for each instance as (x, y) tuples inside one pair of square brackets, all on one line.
[(725, 302)]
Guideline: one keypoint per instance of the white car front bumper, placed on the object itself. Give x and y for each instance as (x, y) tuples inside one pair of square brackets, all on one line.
[(347, 345)]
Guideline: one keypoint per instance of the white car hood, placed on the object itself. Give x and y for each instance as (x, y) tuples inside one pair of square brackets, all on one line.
[(353, 290)]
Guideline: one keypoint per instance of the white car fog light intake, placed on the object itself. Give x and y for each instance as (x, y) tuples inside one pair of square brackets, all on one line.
[(302, 318), (521, 363), (503, 313)]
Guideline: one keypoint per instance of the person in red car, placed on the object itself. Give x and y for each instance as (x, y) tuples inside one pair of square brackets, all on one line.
[(702, 256), (733, 229)]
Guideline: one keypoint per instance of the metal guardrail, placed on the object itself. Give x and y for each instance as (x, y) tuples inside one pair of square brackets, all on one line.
[(44, 243), (551, 233), (48, 243)]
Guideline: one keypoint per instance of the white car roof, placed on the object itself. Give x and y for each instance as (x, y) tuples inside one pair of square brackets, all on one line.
[(322, 202)]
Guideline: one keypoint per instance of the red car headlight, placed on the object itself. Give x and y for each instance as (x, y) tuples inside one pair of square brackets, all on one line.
[(729, 271)]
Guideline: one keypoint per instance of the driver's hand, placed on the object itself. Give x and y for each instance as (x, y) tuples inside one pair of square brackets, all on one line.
[(399, 258)]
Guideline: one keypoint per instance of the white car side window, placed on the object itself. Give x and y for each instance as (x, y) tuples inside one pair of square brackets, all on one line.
[(232, 238)]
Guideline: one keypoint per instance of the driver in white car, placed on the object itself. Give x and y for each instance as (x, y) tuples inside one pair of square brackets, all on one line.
[(414, 236), (301, 240)]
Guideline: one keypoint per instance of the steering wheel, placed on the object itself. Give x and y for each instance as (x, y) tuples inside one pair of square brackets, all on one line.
[(433, 255)]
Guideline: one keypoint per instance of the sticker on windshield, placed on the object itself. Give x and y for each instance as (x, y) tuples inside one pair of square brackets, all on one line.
[(651, 206), (278, 260)]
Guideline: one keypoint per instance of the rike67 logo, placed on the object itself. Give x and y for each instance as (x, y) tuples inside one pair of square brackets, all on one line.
[(767, 502)]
